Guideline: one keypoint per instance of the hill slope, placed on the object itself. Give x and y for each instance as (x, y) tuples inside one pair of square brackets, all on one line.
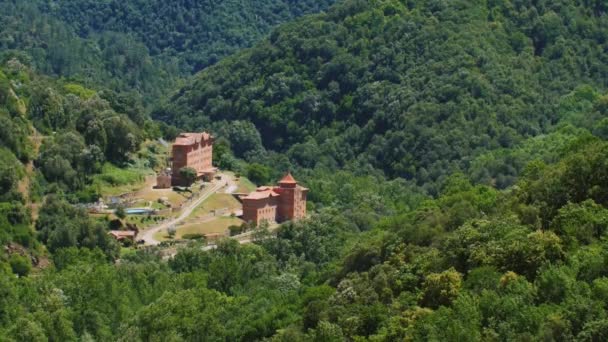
[(407, 88), (198, 33), (135, 45), (415, 89), (55, 137)]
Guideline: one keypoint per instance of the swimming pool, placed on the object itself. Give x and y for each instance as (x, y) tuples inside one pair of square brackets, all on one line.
[(138, 211)]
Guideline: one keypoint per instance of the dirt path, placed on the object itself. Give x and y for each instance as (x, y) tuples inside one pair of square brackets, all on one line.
[(24, 184), (148, 234), (231, 187)]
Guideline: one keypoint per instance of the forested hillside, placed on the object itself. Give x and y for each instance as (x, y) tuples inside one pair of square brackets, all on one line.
[(474, 264), (195, 33), (111, 60), (417, 89), (455, 152), (141, 46), (56, 139)]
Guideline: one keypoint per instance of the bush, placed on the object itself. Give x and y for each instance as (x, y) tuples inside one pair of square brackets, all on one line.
[(258, 173), (194, 236), (171, 231), (235, 229), (115, 176), (21, 265), (188, 174), (120, 212)]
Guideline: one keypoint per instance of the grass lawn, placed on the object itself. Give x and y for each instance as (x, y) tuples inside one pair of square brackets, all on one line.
[(144, 191), (161, 236), (218, 225), (174, 197), (115, 181), (215, 202), (245, 185), (124, 251)]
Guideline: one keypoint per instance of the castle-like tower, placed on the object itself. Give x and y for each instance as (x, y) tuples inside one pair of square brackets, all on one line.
[(286, 202), (292, 199)]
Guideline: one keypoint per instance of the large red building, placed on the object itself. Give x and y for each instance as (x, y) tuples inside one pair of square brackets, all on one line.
[(193, 150), (276, 204)]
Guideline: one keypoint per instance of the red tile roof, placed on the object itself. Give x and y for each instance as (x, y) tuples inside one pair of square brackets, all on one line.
[(261, 193), (288, 179), (187, 139), (122, 234)]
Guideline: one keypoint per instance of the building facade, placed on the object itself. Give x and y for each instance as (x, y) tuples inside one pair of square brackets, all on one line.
[(286, 202), (193, 150), (163, 179)]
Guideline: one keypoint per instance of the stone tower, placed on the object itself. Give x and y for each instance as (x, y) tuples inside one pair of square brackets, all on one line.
[(292, 202)]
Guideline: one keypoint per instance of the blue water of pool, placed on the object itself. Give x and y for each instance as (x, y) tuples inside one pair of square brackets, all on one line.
[(138, 211)]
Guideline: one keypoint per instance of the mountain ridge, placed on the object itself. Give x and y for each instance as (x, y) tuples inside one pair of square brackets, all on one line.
[(455, 153), (371, 83)]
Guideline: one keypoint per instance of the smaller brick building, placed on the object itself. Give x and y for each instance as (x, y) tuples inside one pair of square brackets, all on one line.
[(121, 235), (193, 150), (276, 204), (163, 179)]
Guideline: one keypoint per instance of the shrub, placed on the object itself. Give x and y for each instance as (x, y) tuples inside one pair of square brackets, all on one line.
[(115, 176), (21, 265), (188, 174), (171, 231), (193, 236), (235, 230), (120, 212)]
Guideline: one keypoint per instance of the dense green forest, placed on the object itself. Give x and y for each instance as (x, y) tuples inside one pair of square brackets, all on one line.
[(417, 89), (56, 139), (195, 33), (144, 47), (111, 60), (455, 152), (528, 263)]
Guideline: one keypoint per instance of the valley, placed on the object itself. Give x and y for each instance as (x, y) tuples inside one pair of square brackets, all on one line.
[(353, 170)]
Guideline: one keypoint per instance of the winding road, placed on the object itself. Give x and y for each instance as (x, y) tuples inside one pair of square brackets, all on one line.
[(230, 187), (148, 235)]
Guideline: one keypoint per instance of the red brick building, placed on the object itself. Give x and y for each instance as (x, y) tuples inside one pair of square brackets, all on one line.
[(163, 179), (121, 235), (276, 204), (193, 150)]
